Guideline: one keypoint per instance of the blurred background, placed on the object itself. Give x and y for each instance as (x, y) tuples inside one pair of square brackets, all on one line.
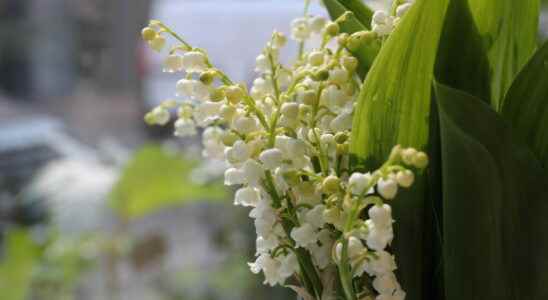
[(93, 203)]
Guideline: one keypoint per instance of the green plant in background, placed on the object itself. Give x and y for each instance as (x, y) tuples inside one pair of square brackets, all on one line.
[(155, 179), (45, 270), (477, 230)]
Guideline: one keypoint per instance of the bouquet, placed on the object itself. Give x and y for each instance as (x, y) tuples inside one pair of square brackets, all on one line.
[(327, 148)]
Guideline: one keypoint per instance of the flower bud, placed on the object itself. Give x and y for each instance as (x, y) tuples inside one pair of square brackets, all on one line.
[(207, 77), (358, 182), (407, 155), (327, 139), (245, 125), (316, 58), (271, 158), (321, 75), (405, 178), (229, 138), (278, 39), (331, 184), (332, 29), (341, 137), (350, 63), (290, 110), (309, 97), (234, 94), (304, 110), (420, 160), (217, 94), (342, 39), (157, 43), (227, 112), (338, 76), (173, 63), (148, 34), (387, 188), (358, 38), (317, 24)]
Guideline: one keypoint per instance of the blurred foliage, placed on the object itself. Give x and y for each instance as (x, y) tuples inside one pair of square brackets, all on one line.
[(62, 264), (155, 179), (16, 266), (46, 270)]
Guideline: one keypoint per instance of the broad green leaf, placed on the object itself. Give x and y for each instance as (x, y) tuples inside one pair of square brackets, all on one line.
[(394, 108), (462, 61), (360, 21), (394, 102), (154, 179), (526, 104), (509, 32), (495, 205), (16, 266)]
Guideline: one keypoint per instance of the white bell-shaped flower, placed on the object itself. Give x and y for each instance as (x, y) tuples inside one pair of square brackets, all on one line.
[(246, 196), (379, 238), (194, 62), (253, 172), (317, 24), (382, 264), (315, 216), (262, 64), (405, 178), (238, 153), (304, 235), (184, 127), (358, 182), (173, 63), (300, 29), (271, 158), (245, 124), (234, 176), (381, 215), (387, 188), (386, 283)]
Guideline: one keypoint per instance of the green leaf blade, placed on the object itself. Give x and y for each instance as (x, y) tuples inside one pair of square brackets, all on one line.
[(495, 209), (526, 104), (462, 61), (509, 30)]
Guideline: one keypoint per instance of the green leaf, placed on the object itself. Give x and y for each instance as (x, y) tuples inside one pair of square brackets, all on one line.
[(154, 179), (526, 104), (509, 32), (495, 205), (360, 21), (462, 60), (394, 108), (17, 265)]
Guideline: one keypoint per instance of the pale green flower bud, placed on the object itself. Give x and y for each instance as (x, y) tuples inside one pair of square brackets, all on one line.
[(350, 63), (207, 77), (332, 28), (331, 184), (148, 34), (407, 155), (234, 94), (405, 178), (157, 43), (420, 160), (290, 110), (316, 58)]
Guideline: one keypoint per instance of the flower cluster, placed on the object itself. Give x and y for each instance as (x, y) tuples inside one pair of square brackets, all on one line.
[(286, 143)]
